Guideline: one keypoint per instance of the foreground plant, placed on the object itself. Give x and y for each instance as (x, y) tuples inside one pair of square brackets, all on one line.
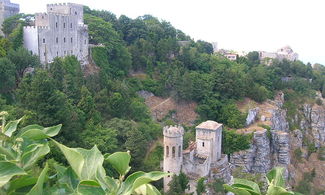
[(21, 149), (275, 180)]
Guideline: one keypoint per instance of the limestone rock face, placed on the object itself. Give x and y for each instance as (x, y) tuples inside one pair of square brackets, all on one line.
[(280, 148), (318, 125), (252, 116), (279, 121), (313, 122), (257, 159), (263, 154)]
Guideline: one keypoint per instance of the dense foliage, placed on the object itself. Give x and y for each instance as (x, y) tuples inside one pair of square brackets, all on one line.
[(21, 149)]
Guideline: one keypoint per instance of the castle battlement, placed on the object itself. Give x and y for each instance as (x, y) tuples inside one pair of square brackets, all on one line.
[(59, 32), (173, 131)]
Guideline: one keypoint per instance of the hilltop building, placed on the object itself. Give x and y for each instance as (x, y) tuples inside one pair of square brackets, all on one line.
[(283, 53), (202, 158), (7, 9), (58, 33)]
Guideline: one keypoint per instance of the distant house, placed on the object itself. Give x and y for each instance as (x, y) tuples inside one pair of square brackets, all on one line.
[(231, 56)]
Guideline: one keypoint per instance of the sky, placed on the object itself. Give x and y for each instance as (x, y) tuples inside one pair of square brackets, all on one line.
[(240, 25)]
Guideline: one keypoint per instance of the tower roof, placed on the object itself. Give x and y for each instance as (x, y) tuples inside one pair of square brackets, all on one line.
[(173, 131), (211, 125)]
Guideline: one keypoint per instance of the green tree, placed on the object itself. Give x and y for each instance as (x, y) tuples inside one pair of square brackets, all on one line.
[(200, 187), (7, 75)]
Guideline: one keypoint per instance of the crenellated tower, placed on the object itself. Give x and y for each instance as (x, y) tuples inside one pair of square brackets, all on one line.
[(173, 151)]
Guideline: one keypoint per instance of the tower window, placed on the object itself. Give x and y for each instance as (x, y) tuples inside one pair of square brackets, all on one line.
[(179, 151), (43, 40), (202, 144), (63, 25), (64, 39), (57, 40), (75, 13), (65, 52), (70, 25), (57, 53), (56, 25), (167, 151), (173, 152), (42, 17), (71, 39), (44, 54)]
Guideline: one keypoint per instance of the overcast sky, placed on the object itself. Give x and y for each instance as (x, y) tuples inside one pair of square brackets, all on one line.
[(235, 24)]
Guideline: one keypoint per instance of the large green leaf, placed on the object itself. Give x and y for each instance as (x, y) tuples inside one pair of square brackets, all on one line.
[(107, 183), (8, 170), (236, 191), (245, 184), (147, 189), (37, 134), (11, 127), (120, 162), (138, 179), (84, 162), (8, 153), (277, 190), (21, 182), (33, 153), (38, 187), (275, 176), (90, 187)]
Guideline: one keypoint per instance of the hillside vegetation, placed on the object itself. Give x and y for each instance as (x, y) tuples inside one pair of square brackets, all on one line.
[(103, 108)]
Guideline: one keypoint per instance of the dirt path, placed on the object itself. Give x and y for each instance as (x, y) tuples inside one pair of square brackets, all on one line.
[(161, 103)]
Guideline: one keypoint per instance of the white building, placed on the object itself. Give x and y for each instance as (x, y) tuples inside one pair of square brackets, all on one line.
[(58, 33)]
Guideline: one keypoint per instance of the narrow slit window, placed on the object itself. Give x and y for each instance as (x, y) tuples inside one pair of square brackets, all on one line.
[(56, 25), (71, 39), (179, 151), (202, 144), (173, 152), (57, 40), (70, 25), (167, 151), (64, 39), (63, 25), (43, 40)]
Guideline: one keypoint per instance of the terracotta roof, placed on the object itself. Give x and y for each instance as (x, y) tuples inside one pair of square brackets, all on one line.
[(212, 125), (191, 147)]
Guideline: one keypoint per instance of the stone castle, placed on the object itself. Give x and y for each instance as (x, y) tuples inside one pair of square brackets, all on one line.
[(58, 33), (203, 158), (7, 9)]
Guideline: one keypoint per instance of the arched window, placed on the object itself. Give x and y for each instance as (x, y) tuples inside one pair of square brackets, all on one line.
[(179, 151), (173, 152), (167, 151)]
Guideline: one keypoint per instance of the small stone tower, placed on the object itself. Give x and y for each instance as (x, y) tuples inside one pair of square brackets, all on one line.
[(173, 151), (208, 140)]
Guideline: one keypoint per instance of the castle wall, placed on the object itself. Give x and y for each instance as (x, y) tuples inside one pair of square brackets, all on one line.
[(173, 152), (214, 147), (31, 39), (61, 33), (7, 9)]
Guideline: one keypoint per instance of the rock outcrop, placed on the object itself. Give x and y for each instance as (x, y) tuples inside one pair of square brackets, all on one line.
[(257, 159), (279, 120), (263, 154), (252, 116), (312, 123)]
